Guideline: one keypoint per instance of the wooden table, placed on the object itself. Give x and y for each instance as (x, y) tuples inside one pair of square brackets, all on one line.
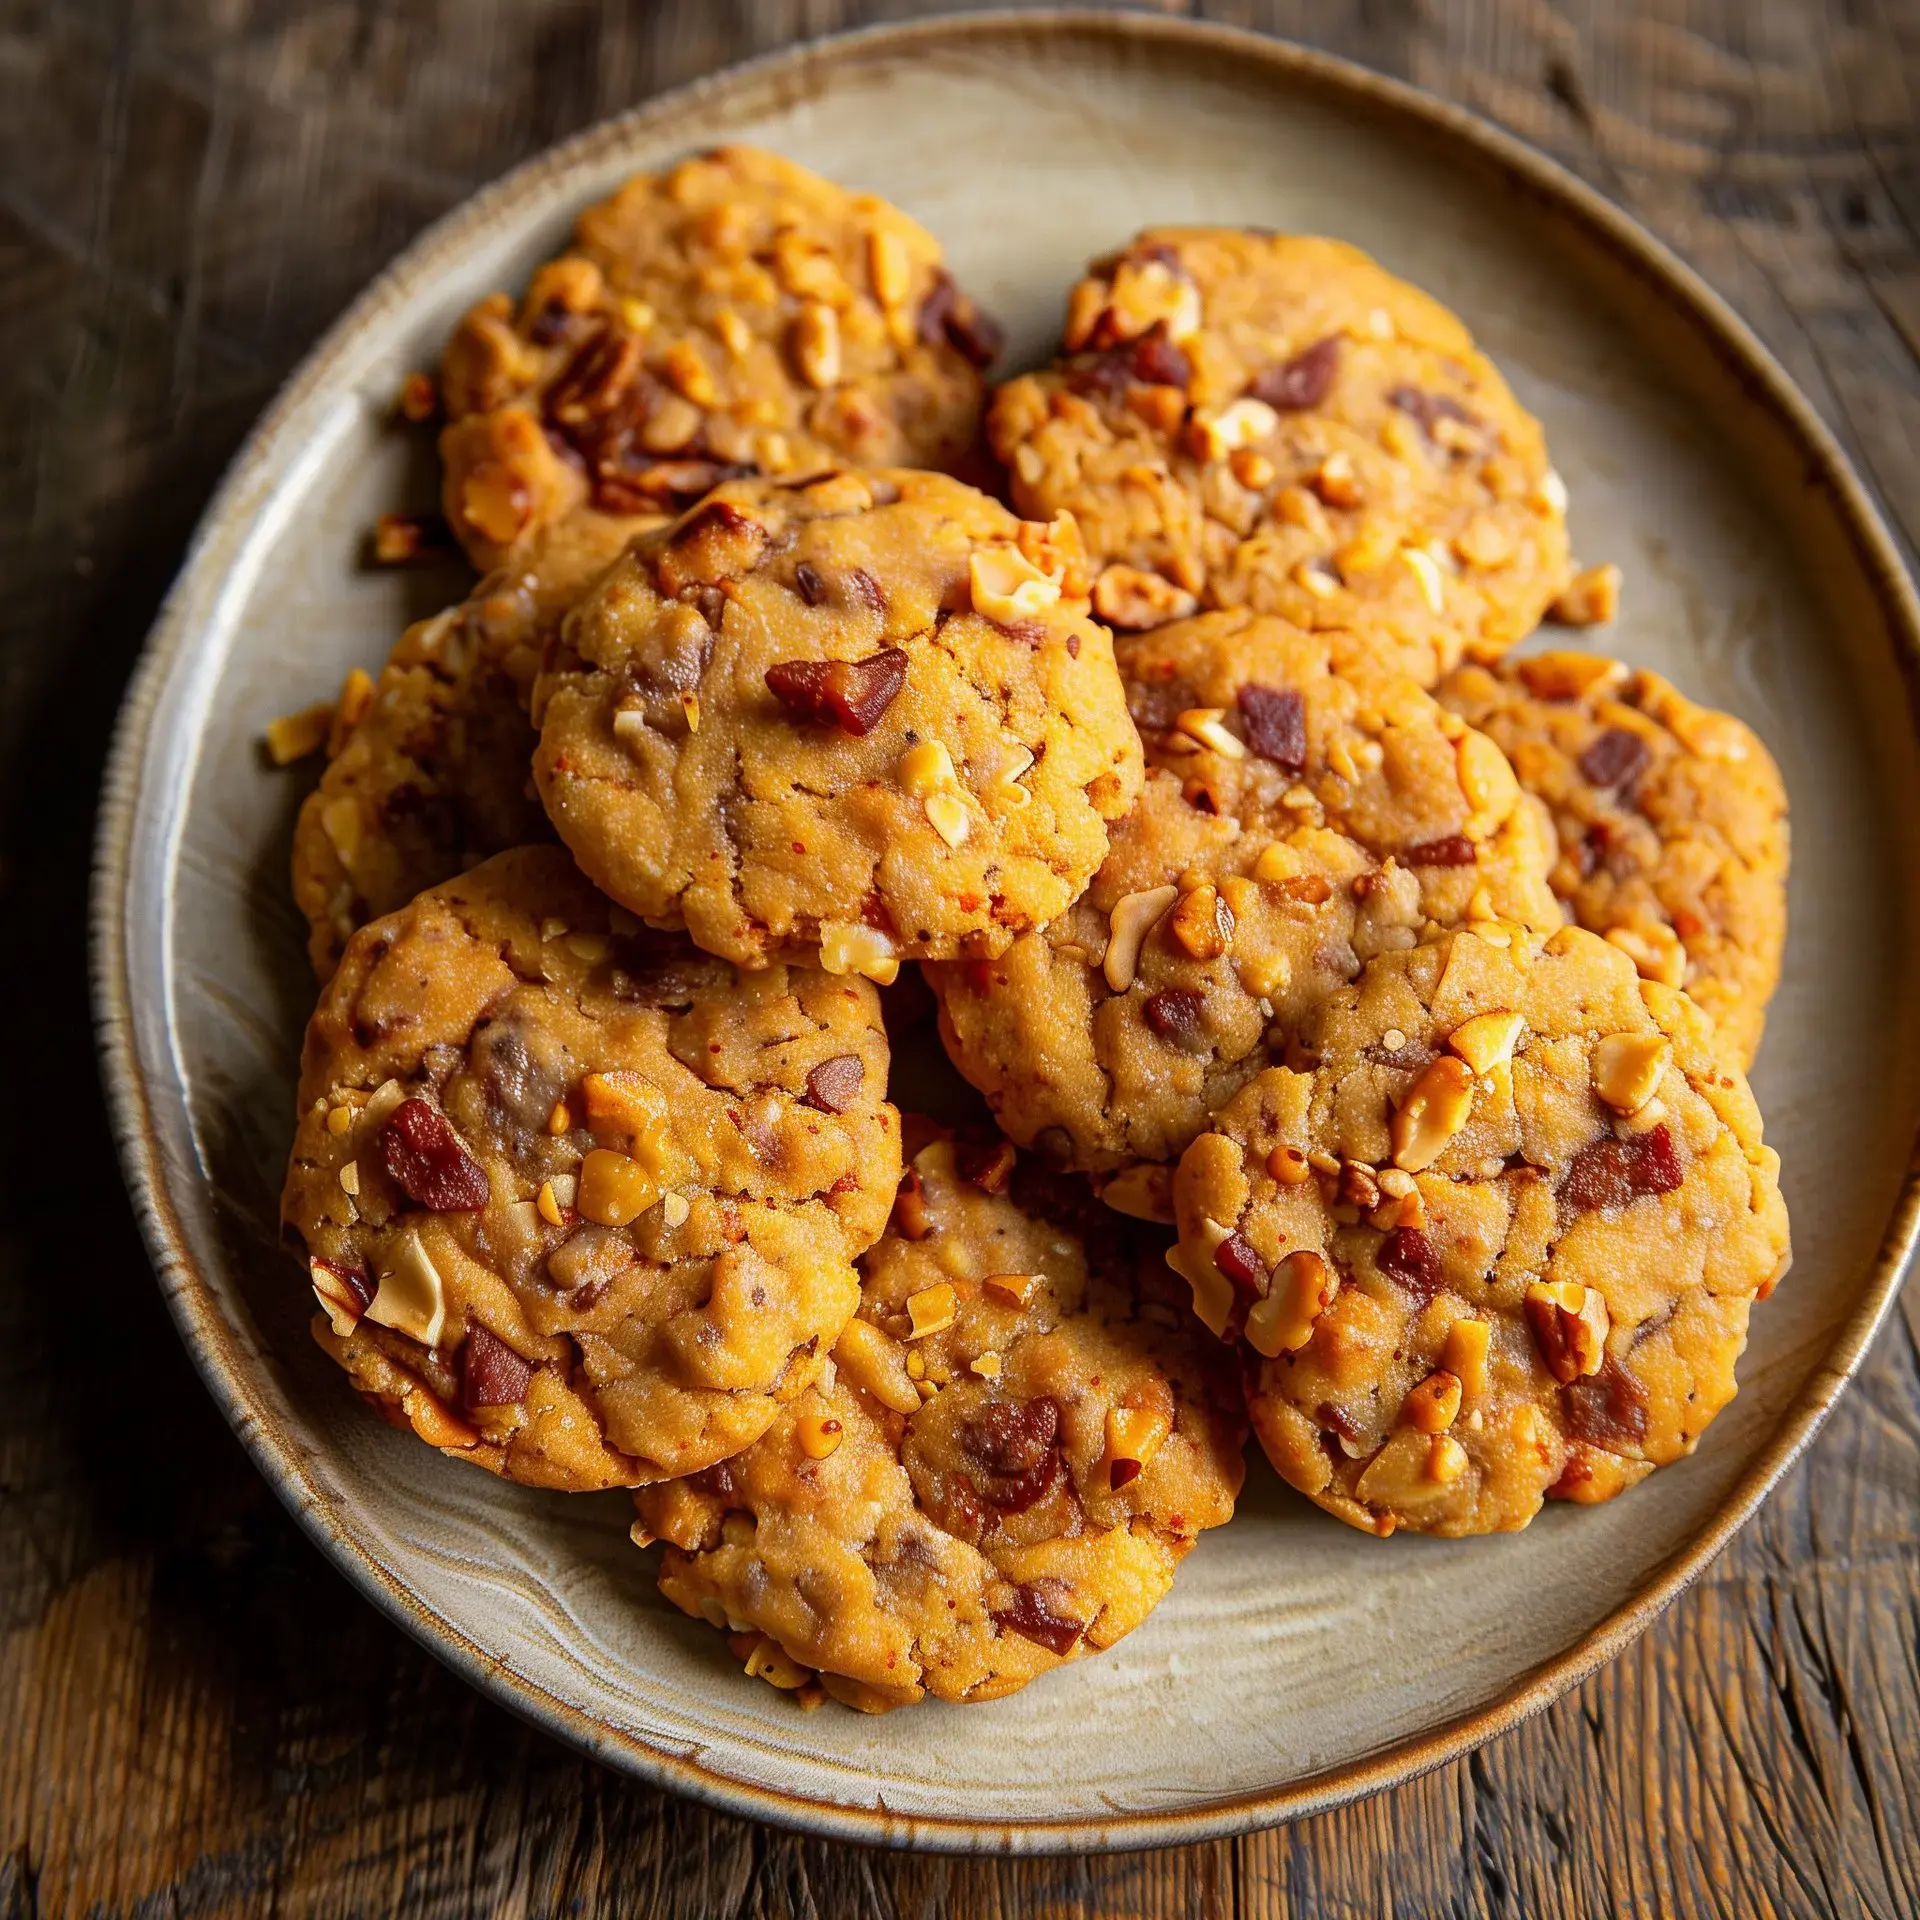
[(197, 1716)]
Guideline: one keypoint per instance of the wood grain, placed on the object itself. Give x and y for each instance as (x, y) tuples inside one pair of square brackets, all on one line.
[(196, 1716)]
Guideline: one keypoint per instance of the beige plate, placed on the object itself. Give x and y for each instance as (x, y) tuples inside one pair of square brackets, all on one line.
[(1297, 1663)]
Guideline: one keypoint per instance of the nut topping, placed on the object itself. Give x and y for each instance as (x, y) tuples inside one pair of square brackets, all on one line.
[(1134, 1436), (1129, 598), (411, 1297), (1436, 1108), (876, 1363), (847, 947), (1487, 1040), (932, 1310), (343, 1293), (1591, 598), (1142, 1193), (1463, 1355), (1570, 1324), (1244, 423), (848, 694), (1202, 725), (1627, 1068), (819, 1435), (1008, 588), (614, 1190), (1202, 922), (1133, 918), (816, 344), (1434, 1405), (1302, 1289)]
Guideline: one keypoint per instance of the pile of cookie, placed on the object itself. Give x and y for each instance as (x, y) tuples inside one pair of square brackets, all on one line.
[(1359, 1013)]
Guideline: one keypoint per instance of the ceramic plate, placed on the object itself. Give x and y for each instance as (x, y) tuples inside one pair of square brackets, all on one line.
[(1296, 1663)]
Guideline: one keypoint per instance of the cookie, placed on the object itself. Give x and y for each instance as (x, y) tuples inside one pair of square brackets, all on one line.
[(864, 716), (1304, 812), (1671, 822), (735, 314), (579, 1203), (1270, 421), (1021, 1436), (1495, 1242), (432, 772)]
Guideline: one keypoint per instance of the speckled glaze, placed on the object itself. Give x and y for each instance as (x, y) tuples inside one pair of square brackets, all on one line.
[(1297, 1663)]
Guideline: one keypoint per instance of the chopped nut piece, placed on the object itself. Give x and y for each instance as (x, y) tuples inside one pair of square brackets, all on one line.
[(1127, 597), (1570, 1324), (816, 345), (1395, 1184), (674, 1209), (1486, 779), (548, 1202), (818, 1433), (614, 1190), (1142, 1193), (593, 948), (1242, 423), (1205, 726), (769, 1661), (876, 1363), (1566, 675), (1012, 1289), (1202, 922), (339, 1119), (1313, 575), (1487, 1040), (1302, 1289), (847, 947), (985, 1365), (1436, 1108), (947, 813), (1008, 588), (889, 267), (295, 735), (1446, 1459), (559, 1119), (1591, 598), (1627, 1067), (1213, 1292), (1656, 951), (419, 400), (629, 726), (1336, 482), (1133, 918), (1358, 1187), (1552, 492), (926, 768), (342, 1296), (1434, 1405), (1426, 571), (411, 1297), (1464, 1352), (410, 540), (356, 697), (932, 1310), (350, 1177), (1134, 1436), (690, 706), (1149, 293)]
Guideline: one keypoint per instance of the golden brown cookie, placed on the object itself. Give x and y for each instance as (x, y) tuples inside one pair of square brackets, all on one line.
[(580, 1203), (433, 769), (1022, 1434), (864, 716), (735, 314), (1671, 820), (1305, 811), (1495, 1242), (1270, 421)]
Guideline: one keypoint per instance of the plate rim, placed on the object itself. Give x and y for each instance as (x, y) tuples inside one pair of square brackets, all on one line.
[(119, 1018)]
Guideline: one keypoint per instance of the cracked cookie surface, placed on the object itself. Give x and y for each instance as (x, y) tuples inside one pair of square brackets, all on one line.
[(1274, 421), (1496, 1243), (1671, 822), (1023, 1433), (581, 1203), (434, 773), (1304, 811), (865, 716), (735, 314)]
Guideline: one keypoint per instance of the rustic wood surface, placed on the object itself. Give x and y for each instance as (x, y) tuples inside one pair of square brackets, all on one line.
[(197, 1717)]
